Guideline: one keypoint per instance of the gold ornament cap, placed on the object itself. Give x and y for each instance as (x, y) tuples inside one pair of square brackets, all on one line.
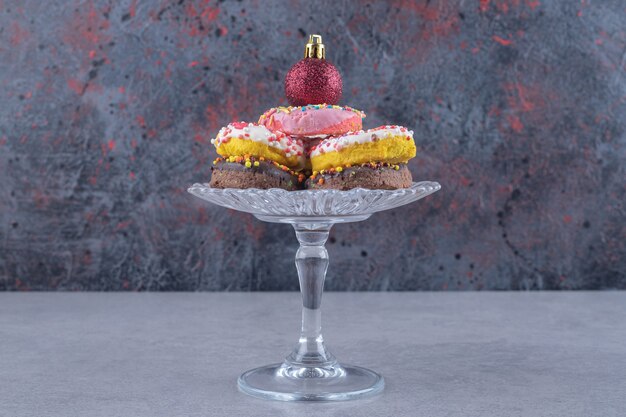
[(315, 48)]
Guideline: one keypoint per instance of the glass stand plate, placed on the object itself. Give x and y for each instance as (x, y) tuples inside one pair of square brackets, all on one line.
[(311, 372)]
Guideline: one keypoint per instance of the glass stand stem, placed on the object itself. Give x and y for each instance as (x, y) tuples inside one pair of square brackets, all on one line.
[(310, 355), (311, 372)]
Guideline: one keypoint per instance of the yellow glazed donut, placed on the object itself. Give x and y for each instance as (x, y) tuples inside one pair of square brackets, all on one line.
[(241, 138), (389, 144)]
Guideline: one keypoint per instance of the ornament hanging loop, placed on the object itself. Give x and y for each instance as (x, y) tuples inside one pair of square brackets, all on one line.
[(315, 48)]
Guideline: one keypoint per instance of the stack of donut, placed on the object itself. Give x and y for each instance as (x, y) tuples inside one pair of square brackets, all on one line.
[(312, 147)]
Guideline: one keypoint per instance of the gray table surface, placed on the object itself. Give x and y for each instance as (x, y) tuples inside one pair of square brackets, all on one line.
[(442, 354)]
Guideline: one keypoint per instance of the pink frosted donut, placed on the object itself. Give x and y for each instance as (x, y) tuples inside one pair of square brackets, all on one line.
[(314, 120)]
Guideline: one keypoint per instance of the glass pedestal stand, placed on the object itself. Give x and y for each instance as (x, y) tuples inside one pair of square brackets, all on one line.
[(311, 372)]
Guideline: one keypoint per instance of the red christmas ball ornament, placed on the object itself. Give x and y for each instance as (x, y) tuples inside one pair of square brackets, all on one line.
[(313, 80)]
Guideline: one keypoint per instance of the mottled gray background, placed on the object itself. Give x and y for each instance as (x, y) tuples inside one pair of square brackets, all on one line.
[(107, 109)]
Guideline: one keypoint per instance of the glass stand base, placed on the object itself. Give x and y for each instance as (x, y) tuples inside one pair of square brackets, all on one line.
[(286, 382)]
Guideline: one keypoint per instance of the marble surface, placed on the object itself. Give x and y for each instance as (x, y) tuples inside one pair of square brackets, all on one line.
[(108, 108), (442, 354)]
